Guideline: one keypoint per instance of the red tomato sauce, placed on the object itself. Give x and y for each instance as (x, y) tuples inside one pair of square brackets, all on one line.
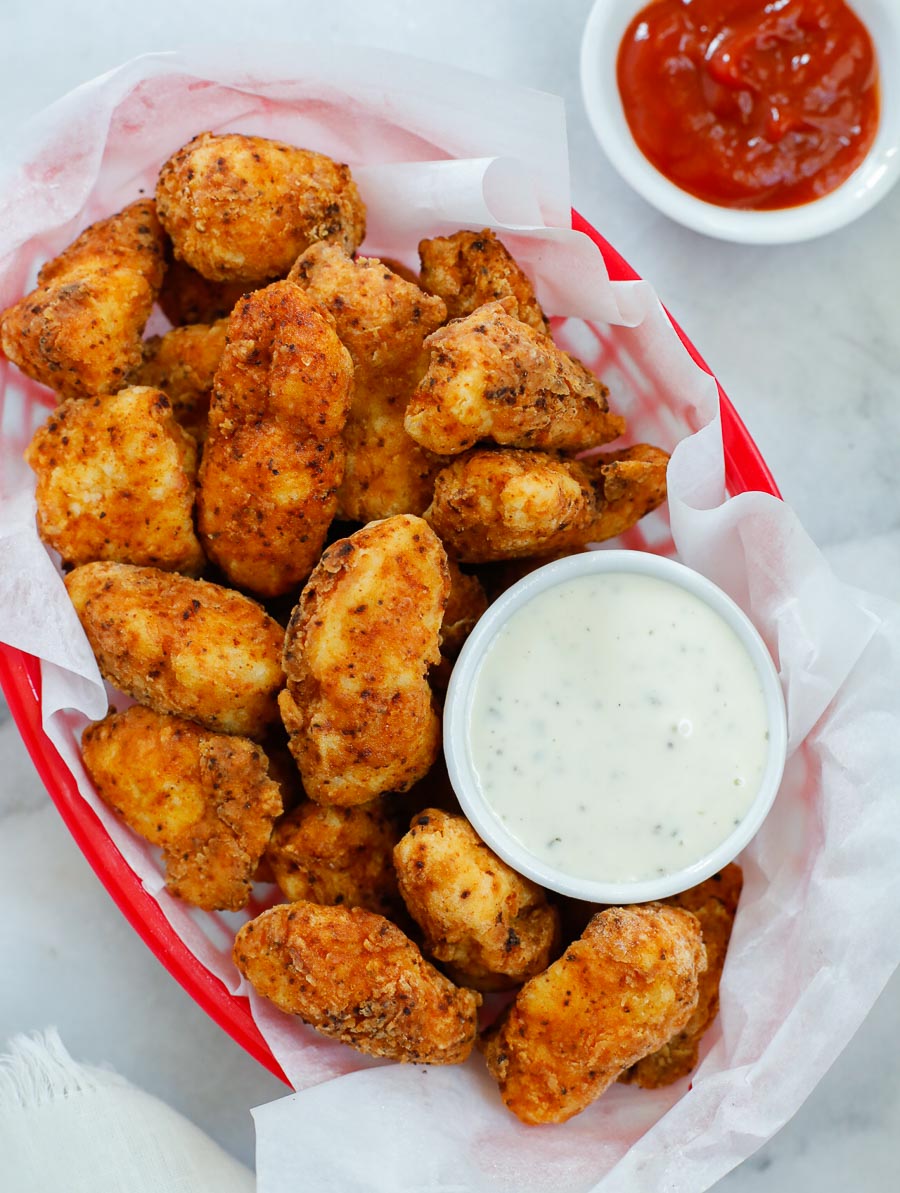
[(751, 103)]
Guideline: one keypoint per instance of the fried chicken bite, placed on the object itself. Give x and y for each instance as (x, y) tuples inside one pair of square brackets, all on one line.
[(181, 646), (115, 480), (494, 505), (714, 903), (273, 459), (188, 297), (491, 377), (355, 977), (469, 269), (205, 798), (465, 604), (79, 331), (632, 484), (383, 321), (338, 856), (242, 209), (618, 993), (507, 504), (358, 707), (183, 364), (491, 928)]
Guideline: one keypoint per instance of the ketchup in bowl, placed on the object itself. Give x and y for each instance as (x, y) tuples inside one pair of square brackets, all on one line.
[(757, 104)]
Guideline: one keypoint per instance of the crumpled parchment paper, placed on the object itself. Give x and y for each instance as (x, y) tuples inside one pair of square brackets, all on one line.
[(815, 938)]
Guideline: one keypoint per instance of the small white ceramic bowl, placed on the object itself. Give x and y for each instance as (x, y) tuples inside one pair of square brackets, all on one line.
[(457, 713), (600, 43)]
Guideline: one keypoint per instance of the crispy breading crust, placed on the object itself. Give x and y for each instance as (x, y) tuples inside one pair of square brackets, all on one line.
[(205, 798), (358, 707), (183, 364), (338, 856), (188, 297), (714, 903), (465, 604), (488, 925), (493, 378), (354, 976), (115, 480), (242, 209), (79, 331), (492, 505), (633, 482), (627, 484), (469, 269), (182, 646), (508, 504), (274, 457), (383, 321), (614, 996)]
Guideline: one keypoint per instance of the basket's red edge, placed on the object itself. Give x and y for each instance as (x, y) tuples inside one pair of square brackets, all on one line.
[(745, 469), (20, 678), (21, 681)]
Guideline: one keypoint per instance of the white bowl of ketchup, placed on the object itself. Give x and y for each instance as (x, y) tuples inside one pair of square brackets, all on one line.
[(719, 160)]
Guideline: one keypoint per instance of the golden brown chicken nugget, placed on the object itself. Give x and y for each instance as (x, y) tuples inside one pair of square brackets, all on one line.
[(714, 903), (183, 364), (132, 238), (469, 269), (492, 505), (80, 330), (115, 480), (488, 925), (491, 377), (338, 856), (273, 459), (383, 321), (619, 992), (242, 209), (188, 297), (507, 504), (182, 646), (264, 504), (465, 604), (205, 798), (354, 976), (632, 483), (358, 707)]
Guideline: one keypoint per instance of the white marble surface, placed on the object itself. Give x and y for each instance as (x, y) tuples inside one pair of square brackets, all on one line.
[(804, 340)]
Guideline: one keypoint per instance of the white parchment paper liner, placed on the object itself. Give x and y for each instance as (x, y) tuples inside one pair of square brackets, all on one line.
[(815, 938)]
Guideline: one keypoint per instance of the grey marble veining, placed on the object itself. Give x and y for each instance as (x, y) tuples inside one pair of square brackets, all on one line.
[(803, 339)]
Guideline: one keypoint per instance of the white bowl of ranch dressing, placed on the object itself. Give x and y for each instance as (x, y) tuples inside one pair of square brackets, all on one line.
[(615, 727)]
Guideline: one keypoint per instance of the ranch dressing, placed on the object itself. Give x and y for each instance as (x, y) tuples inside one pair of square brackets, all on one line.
[(618, 727)]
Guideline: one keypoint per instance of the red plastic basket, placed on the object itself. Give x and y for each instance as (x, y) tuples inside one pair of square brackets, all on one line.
[(20, 678)]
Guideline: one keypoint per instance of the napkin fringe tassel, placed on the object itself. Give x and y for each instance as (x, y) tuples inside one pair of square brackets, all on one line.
[(37, 1070)]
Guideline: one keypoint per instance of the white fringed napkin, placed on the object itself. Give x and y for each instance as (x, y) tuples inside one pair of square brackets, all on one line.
[(70, 1128)]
